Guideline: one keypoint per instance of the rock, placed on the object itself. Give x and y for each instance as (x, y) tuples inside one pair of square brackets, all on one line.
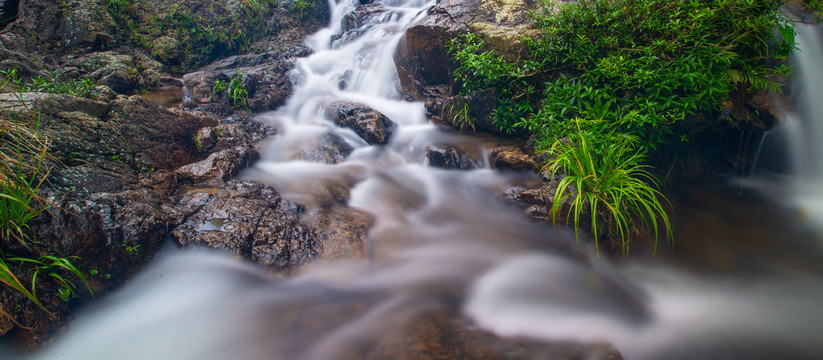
[(340, 232), (245, 132), (263, 76), (330, 148), (474, 112), (168, 50), (509, 157), (368, 123), (113, 232), (423, 64), (219, 166), (105, 146), (51, 104), (66, 24), (448, 157), (360, 20), (251, 220)]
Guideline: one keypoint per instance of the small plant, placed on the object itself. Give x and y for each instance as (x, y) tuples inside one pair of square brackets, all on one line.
[(234, 90), (132, 250), (610, 185), (54, 267), (299, 6), (23, 169)]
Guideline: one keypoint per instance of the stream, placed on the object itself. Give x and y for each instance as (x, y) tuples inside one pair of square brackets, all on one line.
[(743, 279)]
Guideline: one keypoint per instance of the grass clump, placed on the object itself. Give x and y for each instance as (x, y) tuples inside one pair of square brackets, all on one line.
[(24, 166), (608, 183), (633, 69)]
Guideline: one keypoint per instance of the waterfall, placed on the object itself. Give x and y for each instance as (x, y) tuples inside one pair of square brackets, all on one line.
[(804, 129)]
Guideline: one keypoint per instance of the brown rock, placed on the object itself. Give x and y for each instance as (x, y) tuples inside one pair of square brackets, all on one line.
[(509, 157)]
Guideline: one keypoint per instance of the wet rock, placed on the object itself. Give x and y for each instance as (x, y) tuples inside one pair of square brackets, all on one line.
[(104, 146), (219, 166), (474, 112), (108, 236), (245, 132), (368, 123), (340, 232), (251, 220), (264, 77), (510, 157), (423, 64), (448, 157), (360, 20), (330, 148)]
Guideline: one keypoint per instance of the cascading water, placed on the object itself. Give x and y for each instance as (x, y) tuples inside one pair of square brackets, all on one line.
[(805, 129), (444, 242)]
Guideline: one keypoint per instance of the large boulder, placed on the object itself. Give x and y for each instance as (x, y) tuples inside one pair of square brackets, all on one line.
[(103, 146), (423, 62), (264, 77), (252, 220), (369, 124)]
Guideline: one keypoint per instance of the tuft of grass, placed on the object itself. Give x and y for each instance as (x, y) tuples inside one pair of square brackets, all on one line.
[(24, 166), (610, 185)]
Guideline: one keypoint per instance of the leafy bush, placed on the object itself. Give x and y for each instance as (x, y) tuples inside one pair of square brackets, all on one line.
[(633, 69), (640, 65), (202, 39)]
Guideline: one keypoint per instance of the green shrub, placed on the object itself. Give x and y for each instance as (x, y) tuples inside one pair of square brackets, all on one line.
[(634, 68), (609, 184)]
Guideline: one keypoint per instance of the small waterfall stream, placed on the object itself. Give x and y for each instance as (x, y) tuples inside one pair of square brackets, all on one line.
[(443, 242)]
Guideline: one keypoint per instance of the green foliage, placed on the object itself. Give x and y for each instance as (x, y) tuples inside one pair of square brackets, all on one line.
[(634, 69), (202, 39), (640, 65), (609, 184), (234, 90), (23, 170), (55, 268), (54, 82), (297, 6)]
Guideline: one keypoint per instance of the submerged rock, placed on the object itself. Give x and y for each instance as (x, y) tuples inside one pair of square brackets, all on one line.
[(448, 157), (330, 148), (369, 124)]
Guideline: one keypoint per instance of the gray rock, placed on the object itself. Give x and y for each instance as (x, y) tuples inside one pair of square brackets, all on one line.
[(219, 166), (251, 220), (328, 149), (368, 123)]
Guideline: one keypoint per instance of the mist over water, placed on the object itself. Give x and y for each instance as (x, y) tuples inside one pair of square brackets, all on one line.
[(443, 242)]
